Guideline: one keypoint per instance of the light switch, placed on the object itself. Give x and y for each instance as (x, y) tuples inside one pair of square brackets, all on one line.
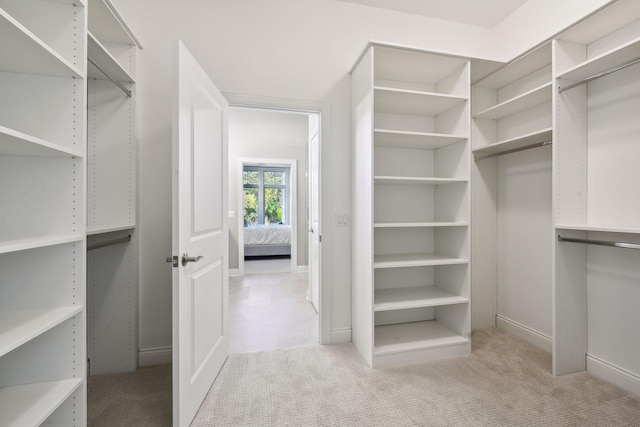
[(232, 214)]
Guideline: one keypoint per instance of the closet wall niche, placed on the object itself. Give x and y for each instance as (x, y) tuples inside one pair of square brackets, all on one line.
[(112, 275), (511, 181), (597, 197), (411, 206), (42, 219)]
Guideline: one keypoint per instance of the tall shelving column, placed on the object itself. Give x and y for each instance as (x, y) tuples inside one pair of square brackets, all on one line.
[(112, 274), (511, 197), (411, 206), (596, 196), (42, 220)]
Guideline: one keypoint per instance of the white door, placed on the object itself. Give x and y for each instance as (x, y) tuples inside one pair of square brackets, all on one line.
[(314, 210), (200, 235)]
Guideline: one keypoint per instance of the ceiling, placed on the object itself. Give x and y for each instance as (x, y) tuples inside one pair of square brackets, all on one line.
[(484, 13)]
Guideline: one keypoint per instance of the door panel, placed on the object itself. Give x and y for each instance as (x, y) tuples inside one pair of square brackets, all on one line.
[(200, 231)]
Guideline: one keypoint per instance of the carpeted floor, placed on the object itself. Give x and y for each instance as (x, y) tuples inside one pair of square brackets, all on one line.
[(133, 399), (505, 382)]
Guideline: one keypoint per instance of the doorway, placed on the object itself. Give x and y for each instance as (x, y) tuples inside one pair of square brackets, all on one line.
[(270, 288)]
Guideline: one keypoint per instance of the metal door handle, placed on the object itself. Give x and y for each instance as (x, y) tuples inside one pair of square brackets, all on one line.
[(186, 259), (311, 230)]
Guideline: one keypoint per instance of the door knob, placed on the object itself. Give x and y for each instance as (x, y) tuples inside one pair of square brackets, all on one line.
[(186, 259)]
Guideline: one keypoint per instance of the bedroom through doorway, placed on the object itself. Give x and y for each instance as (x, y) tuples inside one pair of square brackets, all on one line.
[(271, 288)]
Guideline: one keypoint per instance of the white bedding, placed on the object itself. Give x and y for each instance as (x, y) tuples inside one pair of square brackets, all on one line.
[(274, 234)]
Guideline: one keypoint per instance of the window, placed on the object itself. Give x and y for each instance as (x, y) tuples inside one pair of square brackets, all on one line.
[(266, 195)]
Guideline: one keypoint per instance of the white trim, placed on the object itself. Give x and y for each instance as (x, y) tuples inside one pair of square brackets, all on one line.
[(326, 204), (613, 374), (293, 205), (154, 356), (341, 336), (531, 336), (302, 269), (234, 272)]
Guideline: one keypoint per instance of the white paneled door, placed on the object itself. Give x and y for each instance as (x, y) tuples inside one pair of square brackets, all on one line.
[(314, 213), (200, 235)]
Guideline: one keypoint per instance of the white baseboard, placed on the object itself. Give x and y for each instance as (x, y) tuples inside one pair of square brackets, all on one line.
[(234, 272), (613, 374), (303, 269), (531, 336), (341, 336), (154, 356)]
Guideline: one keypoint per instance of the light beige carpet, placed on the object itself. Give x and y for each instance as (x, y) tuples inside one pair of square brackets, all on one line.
[(133, 399), (505, 382)]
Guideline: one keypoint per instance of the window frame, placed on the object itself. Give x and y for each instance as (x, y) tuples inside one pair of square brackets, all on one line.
[(261, 186)]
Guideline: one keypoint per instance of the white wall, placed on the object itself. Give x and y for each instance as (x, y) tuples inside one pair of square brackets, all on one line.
[(298, 49), (270, 135)]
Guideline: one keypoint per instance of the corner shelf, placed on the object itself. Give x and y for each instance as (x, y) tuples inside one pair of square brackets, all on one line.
[(518, 68), (416, 297), (599, 228), (419, 140), (35, 56), (522, 141), (92, 231), (404, 180), (414, 336), (419, 224), (623, 54), (32, 404), (20, 326), (99, 54), (415, 260), (413, 102), (107, 24), (534, 97), (15, 143)]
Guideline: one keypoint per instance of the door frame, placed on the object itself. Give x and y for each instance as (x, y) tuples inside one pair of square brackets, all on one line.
[(293, 205), (323, 109)]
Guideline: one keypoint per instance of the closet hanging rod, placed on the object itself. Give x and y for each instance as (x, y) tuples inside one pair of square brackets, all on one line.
[(597, 76), (515, 150), (115, 82), (623, 245), (109, 243)]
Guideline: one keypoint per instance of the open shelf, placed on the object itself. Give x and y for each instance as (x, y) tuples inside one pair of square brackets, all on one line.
[(602, 228), (34, 57), (534, 97), (406, 139), (419, 224), (14, 143), (37, 242), (99, 54), (413, 102), (423, 296), (405, 180), (414, 336), (621, 55), (106, 23), (522, 141), (20, 326), (32, 404), (517, 69), (91, 231), (415, 260)]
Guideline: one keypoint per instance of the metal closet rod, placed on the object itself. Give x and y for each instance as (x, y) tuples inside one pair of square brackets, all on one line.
[(597, 76), (109, 243), (515, 150), (624, 245), (115, 82)]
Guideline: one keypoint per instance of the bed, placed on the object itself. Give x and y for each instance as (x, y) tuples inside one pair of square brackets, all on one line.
[(267, 240)]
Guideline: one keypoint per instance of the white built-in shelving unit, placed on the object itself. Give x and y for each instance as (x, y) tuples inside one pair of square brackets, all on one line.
[(112, 284), (597, 197), (511, 197), (42, 231), (411, 205)]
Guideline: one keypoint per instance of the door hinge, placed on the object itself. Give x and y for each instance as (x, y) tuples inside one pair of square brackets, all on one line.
[(320, 239), (174, 260)]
